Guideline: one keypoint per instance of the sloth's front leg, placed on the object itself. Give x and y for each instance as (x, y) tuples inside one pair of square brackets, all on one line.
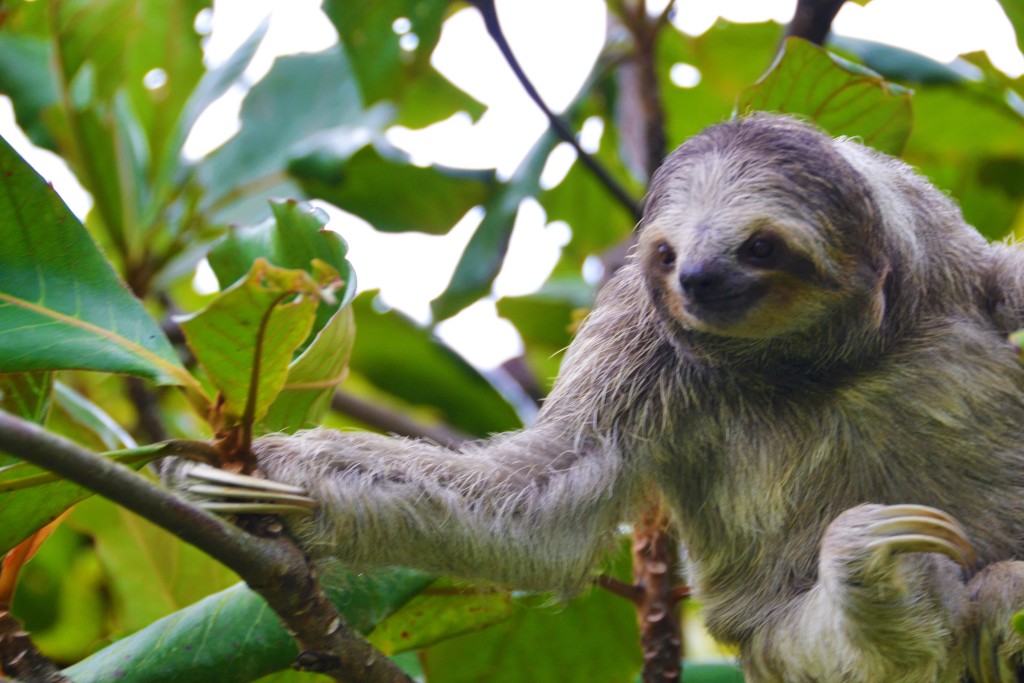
[(890, 604)]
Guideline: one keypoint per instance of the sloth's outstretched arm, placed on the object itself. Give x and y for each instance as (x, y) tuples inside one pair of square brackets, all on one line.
[(529, 509)]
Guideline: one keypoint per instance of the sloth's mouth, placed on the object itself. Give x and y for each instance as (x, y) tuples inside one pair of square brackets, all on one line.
[(725, 306)]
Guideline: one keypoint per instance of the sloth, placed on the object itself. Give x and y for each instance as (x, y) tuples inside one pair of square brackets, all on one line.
[(806, 356)]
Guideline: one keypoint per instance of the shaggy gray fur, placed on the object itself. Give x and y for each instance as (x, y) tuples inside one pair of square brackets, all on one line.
[(866, 364)]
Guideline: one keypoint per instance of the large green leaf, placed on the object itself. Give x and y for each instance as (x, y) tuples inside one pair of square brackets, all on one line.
[(233, 637), (387, 71), (369, 183), (409, 362), (301, 96), (840, 96), (485, 253), (61, 305)]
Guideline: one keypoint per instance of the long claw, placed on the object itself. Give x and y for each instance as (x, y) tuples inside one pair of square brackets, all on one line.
[(251, 495), (245, 494), (235, 508), (919, 528), (218, 476)]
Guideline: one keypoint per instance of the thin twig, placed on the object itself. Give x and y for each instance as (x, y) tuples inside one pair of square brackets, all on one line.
[(629, 591), (490, 15), (273, 566)]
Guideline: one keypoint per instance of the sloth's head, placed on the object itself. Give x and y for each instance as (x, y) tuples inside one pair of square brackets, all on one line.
[(758, 228)]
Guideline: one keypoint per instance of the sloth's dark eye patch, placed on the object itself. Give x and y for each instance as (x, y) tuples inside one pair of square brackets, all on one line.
[(763, 251)]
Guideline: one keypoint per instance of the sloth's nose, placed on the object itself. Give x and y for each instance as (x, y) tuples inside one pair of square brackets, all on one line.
[(702, 282)]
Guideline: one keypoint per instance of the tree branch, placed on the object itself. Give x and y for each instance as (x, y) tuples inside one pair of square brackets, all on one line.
[(490, 15), (393, 422), (813, 19), (20, 658), (272, 566)]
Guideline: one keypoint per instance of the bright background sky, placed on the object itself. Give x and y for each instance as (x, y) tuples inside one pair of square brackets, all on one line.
[(557, 42)]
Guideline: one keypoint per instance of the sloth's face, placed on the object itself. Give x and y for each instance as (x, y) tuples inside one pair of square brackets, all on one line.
[(749, 275)]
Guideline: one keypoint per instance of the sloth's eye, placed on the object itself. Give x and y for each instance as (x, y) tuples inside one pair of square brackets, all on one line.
[(666, 255), (762, 250)]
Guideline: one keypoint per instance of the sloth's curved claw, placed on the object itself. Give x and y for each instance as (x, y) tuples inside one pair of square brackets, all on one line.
[(919, 528)]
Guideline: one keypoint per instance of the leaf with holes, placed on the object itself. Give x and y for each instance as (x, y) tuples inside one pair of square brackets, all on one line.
[(62, 306)]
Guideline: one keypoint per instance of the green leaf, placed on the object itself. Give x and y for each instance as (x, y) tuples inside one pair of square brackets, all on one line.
[(61, 305), (292, 238), (485, 253), (233, 637), (409, 362), (312, 378), (385, 70), (211, 86), (89, 415), (376, 184), (26, 77), (729, 57), (27, 395), (61, 597), (594, 639), (250, 331), (31, 497), (301, 96), (969, 139), (151, 573), (841, 97), (1015, 12), (121, 42), (440, 613), (897, 64), (548, 317)]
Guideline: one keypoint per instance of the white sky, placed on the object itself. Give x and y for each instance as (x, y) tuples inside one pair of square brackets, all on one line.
[(557, 42)]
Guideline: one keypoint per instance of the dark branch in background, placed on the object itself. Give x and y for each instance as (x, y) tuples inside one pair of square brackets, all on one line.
[(490, 15), (641, 114), (392, 422), (813, 19), (147, 408), (272, 565)]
